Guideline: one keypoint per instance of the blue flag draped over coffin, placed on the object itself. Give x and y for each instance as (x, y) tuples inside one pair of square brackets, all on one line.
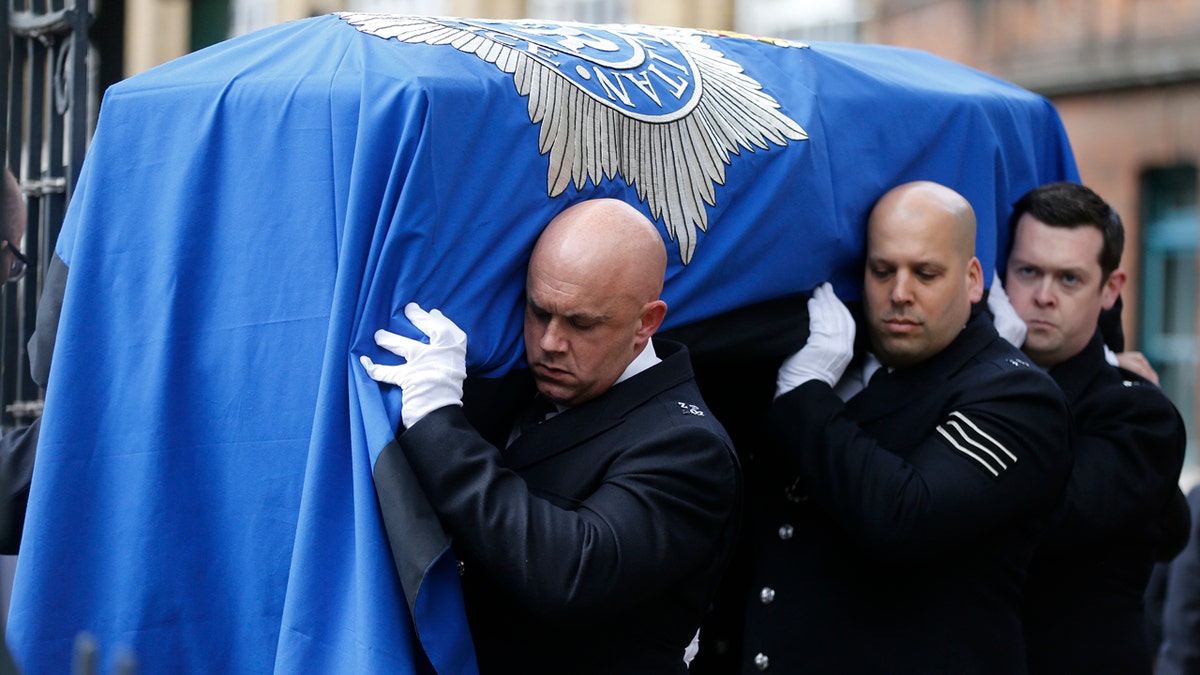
[(248, 215)]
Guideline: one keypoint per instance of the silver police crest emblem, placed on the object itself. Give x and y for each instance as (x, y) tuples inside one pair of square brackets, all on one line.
[(657, 106)]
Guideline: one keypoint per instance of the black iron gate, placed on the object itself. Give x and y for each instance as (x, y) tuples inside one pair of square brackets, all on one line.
[(50, 103)]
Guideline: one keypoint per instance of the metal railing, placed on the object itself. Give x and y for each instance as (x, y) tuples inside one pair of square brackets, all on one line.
[(49, 106)]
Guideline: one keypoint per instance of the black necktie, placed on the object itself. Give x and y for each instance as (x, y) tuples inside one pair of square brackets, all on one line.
[(877, 376), (536, 413)]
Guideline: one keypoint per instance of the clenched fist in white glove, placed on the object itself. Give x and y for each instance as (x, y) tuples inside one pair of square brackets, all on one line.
[(1008, 324), (830, 344), (433, 374)]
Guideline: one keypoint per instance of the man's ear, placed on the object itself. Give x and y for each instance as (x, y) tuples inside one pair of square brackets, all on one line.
[(1112, 288), (974, 280), (652, 317)]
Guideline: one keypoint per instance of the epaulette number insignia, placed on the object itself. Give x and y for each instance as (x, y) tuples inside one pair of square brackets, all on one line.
[(689, 409)]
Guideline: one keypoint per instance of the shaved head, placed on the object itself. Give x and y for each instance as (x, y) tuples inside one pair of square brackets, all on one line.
[(592, 298), (922, 274), (925, 200), (605, 242)]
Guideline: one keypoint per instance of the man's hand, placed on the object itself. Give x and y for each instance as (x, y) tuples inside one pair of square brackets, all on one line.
[(433, 376), (1135, 362), (830, 344), (1008, 324)]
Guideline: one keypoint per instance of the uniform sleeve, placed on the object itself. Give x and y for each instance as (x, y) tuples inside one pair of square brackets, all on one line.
[(1129, 451), (661, 512), (998, 456)]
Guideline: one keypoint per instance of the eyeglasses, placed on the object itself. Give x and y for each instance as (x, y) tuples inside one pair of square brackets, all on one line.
[(16, 268)]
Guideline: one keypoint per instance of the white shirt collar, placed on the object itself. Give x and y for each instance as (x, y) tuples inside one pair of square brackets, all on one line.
[(643, 361), (856, 378)]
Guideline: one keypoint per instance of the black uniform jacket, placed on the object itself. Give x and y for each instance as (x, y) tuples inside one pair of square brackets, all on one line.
[(1121, 512), (903, 545), (594, 543)]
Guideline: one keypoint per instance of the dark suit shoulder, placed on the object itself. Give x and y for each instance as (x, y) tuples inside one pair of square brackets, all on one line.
[(1131, 389), (1130, 444), (1005, 360), (1120, 398), (665, 395), (682, 406), (1000, 372)]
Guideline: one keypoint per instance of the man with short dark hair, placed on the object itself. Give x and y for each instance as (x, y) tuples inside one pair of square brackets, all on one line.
[(593, 542), (1122, 509), (903, 538)]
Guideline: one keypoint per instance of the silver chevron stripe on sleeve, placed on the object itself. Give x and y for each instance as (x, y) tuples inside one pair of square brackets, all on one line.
[(976, 444)]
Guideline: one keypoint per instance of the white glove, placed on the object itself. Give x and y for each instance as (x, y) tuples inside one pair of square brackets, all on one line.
[(1010, 326), (433, 375), (830, 344)]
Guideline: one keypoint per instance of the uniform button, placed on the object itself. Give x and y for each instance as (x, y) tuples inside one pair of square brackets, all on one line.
[(785, 532), (761, 661), (767, 595)]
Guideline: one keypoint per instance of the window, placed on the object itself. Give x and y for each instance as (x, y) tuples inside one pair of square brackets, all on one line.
[(247, 16), (210, 23), (584, 11), (1170, 238), (835, 20), (413, 7)]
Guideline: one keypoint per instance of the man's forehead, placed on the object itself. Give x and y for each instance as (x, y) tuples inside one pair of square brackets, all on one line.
[(913, 251), (1076, 247), (571, 301), (921, 258)]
